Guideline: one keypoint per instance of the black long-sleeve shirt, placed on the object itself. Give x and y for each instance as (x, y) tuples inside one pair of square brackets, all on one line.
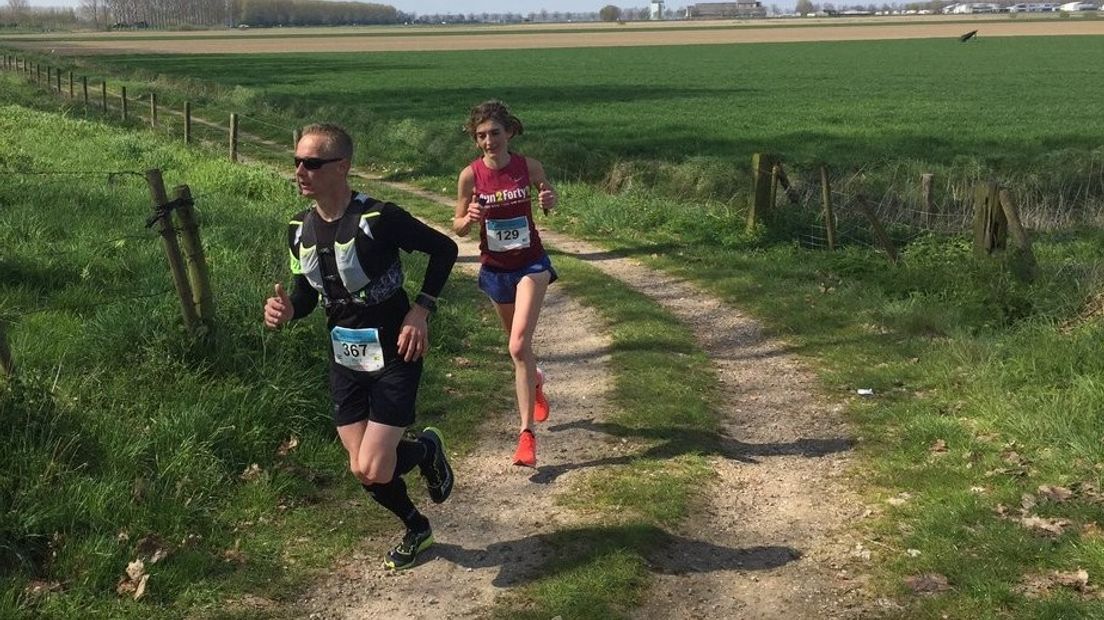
[(395, 229)]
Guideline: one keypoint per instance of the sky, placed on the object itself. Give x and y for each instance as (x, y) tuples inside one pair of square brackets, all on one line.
[(428, 7)]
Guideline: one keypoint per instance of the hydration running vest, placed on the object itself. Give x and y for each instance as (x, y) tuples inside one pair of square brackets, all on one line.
[(370, 271)]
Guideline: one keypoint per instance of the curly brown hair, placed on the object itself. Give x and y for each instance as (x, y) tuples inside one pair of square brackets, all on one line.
[(493, 110)]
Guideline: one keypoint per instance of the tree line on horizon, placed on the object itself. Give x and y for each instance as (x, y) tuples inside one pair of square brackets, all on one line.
[(163, 14)]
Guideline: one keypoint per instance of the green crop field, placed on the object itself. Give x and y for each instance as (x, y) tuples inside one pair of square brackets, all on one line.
[(1008, 102)]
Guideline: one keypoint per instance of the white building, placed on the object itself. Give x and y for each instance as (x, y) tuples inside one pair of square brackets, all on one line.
[(655, 12)]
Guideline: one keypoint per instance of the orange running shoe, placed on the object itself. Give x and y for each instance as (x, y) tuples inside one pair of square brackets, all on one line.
[(526, 454), (540, 408)]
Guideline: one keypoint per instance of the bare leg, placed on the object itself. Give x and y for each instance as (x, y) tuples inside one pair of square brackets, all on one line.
[(520, 321)]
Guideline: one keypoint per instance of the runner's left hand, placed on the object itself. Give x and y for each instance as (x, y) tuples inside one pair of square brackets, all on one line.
[(414, 335)]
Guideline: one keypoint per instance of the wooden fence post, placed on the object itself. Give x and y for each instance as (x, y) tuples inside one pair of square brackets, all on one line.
[(926, 198), (7, 367), (72, 92), (84, 89), (880, 236), (103, 96), (990, 224), (1022, 259), (57, 76), (233, 137), (172, 248), (760, 201), (193, 255), (826, 199), (187, 122), (153, 110), (123, 102), (775, 170)]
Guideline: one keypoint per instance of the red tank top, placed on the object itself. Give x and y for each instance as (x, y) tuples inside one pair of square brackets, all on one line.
[(508, 238)]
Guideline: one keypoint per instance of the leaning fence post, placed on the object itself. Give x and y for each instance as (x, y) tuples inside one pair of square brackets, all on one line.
[(172, 248), (193, 255), (880, 235), (187, 122), (1023, 258), (826, 199), (233, 137)]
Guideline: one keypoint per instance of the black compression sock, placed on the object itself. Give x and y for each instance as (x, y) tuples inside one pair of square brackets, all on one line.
[(394, 498), (411, 453)]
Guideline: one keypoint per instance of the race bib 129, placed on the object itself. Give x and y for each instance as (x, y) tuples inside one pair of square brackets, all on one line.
[(505, 235)]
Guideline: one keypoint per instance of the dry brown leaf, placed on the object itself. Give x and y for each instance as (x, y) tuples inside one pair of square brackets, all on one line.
[(1040, 585), (1055, 493), (38, 587), (140, 590), (1077, 580), (135, 570), (1041, 525), (928, 583), (126, 587), (287, 446), (461, 362), (938, 446), (234, 555), (1012, 458), (1091, 531), (1001, 510), (1027, 502), (251, 473)]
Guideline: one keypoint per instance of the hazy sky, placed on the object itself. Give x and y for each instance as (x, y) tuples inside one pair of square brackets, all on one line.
[(423, 7)]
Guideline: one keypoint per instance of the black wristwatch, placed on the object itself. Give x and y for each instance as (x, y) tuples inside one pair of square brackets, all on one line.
[(425, 301)]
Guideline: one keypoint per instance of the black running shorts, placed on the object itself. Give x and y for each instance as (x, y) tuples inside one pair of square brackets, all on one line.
[(385, 397)]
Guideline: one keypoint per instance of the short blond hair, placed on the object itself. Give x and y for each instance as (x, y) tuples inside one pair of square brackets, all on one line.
[(338, 141)]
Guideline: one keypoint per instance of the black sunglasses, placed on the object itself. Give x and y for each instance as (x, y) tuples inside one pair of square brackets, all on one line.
[(314, 163)]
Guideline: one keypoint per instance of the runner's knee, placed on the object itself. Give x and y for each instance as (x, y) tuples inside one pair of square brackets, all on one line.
[(521, 348)]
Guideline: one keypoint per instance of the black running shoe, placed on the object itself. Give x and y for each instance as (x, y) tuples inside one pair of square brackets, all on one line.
[(404, 553), (437, 471)]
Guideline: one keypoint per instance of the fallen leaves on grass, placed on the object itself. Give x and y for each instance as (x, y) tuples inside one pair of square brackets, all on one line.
[(1041, 585), (1044, 526), (287, 446), (38, 587), (1055, 493), (134, 582), (251, 473), (927, 583), (938, 446)]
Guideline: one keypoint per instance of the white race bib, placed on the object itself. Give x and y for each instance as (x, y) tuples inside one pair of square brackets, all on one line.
[(505, 235), (358, 349)]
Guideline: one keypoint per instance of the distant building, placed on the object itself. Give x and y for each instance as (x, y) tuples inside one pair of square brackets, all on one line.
[(655, 11), (721, 10)]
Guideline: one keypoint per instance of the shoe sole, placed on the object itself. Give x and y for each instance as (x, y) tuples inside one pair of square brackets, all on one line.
[(426, 544), (444, 455)]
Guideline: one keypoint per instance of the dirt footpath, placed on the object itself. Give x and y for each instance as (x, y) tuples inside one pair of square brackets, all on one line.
[(772, 541)]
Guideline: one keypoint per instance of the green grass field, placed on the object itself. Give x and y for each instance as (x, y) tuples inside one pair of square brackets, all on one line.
[(1008, 102)]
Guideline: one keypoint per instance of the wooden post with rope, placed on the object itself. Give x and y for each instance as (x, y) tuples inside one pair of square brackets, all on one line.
[(234, 137), (172, 248), (198, 275), (826, 200)]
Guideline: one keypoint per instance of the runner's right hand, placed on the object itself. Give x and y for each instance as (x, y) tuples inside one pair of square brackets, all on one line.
[(278, 310), (475, 209)]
